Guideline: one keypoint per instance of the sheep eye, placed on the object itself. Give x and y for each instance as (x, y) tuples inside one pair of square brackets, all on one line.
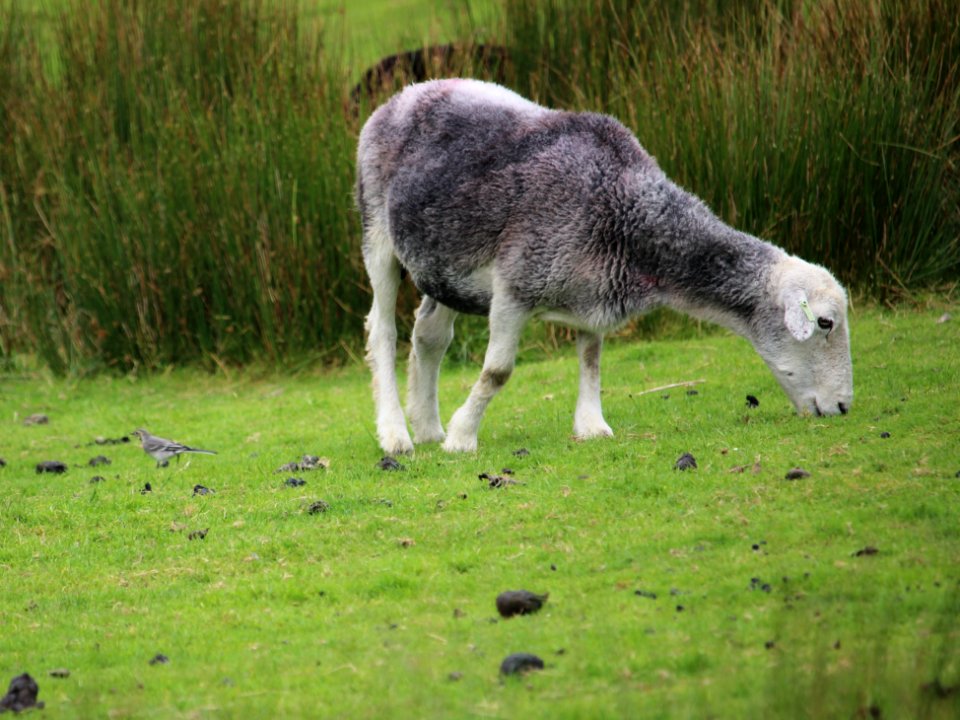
[(825, 323)]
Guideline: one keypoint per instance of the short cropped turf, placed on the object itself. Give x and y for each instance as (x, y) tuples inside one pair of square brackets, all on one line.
[(723, 591)]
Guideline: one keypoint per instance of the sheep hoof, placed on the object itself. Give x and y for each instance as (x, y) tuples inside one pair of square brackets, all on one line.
[(460, 444), (394, 442), (596, 430)]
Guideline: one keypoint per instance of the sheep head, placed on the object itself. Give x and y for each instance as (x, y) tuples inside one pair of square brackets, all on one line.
[(804, 337)]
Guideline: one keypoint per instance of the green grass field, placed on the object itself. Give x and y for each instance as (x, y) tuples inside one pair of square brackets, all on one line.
[(214, 132), (366, 31), (383, 606), (373, 30)]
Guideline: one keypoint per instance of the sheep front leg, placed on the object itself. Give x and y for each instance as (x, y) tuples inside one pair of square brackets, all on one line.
[(432, 334), (506, 324), (588, 419)]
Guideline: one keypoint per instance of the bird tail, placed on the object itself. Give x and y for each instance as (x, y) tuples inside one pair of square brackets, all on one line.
[(198, 450)]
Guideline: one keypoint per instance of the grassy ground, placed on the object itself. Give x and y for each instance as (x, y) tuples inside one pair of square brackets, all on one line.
[(373, 30), (383, 606), (368, 30)]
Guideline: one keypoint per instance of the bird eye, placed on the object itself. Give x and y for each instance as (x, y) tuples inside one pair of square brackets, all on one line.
[(825, 323)]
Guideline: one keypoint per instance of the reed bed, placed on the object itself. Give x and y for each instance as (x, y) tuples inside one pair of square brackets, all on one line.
[(176, 176), (181, 192)]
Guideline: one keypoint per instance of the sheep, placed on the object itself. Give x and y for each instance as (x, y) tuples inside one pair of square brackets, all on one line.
[(498, 206)]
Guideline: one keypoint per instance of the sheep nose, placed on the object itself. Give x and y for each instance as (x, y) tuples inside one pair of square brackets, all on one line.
[(844, 409)]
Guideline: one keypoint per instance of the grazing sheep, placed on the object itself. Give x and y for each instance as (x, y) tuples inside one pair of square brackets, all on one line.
[(495, 205)]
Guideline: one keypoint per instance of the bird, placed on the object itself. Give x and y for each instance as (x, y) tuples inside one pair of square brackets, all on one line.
[(161, 449)]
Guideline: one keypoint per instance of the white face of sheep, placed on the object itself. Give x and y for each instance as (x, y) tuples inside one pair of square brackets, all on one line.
[(806, 340)]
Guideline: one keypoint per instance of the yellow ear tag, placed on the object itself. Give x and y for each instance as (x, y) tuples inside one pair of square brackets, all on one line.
[(806, 310)]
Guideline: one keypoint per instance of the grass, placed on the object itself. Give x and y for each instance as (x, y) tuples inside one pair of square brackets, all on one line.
[(367, 31), (402, 25), (281, 613)]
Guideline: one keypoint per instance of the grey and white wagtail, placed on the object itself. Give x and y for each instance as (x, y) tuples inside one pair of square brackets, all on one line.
[(161, 449)]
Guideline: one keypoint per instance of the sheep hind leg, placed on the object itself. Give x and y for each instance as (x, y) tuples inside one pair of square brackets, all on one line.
[(432, 334), (588, 419), (381, 324), (506, 324)]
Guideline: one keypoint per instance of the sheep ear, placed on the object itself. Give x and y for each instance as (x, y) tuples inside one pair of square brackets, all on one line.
[(797, 315)]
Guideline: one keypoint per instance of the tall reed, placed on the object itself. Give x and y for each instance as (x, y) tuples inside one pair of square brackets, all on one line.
[(182, 191)]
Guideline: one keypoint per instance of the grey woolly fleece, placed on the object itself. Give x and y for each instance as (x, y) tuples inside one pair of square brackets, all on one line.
[(576, 219)]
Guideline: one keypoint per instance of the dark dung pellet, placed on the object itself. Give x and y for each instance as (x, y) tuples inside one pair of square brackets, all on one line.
[(752, 401), (21, 694), (311, 462), (796, 474), (757, 584), (306, 462), (390, 464), (685, 462), (100, 440), (497, 481), (51, 466), (519, 602), (520, 663)]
